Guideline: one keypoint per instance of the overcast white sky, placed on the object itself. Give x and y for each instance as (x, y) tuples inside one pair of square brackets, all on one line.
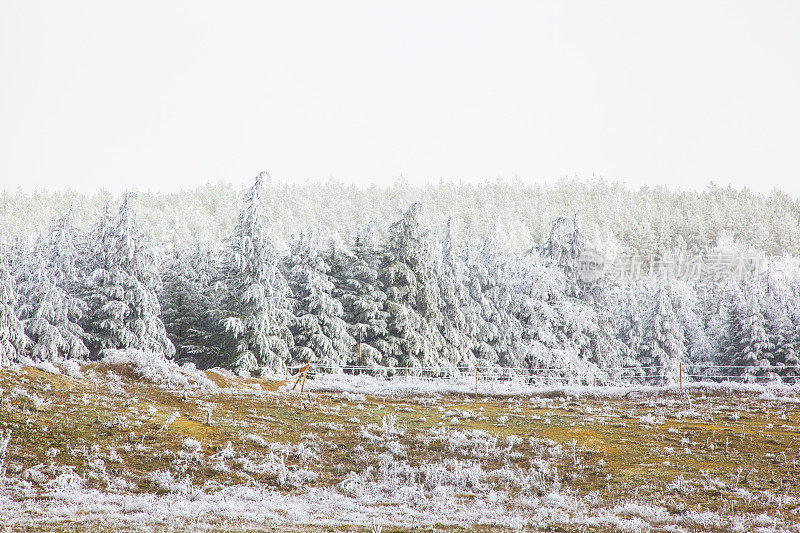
[(167, 95)]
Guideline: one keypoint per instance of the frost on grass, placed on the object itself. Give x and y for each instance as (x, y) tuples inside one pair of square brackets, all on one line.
[(138, 462)]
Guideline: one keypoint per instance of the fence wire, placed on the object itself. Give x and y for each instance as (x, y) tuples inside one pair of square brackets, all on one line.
[(626, 375)]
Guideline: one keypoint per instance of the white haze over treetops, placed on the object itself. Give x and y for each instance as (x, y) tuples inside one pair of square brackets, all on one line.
[(169, 95)]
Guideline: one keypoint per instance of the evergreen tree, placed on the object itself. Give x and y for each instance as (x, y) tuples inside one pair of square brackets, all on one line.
[(780, 315), (49, 305), (50, 315), (360, 290), (539, 289), (121, 288), (63, 253), (484, 320), (413, 301), (12, 332), (790, 354), (749, 348), (190, 300), (176, 294), (458, 327), (564, 248), (503, 306), (320, 334), (258, 305), (631, 312), (665, 345)]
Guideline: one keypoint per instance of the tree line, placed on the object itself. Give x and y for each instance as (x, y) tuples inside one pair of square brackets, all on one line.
[(409, 294)]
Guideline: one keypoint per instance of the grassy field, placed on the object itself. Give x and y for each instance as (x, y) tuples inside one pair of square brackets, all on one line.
[(108, 449)]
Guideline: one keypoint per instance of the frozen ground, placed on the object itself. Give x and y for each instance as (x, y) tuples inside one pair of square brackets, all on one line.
[(133, 444)]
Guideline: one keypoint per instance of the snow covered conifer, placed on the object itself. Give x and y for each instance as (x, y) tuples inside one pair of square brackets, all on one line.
[(12, 331), (749, 346), (258, 305), (666, 341), (458, 327), (121, 287), (478, 282), (413, 301), (780, 315), (503, 307), (631, 311), (49, 304), (790, 354), (62, 253), (320, 334), (539, 288), (190, 304), (564, 247), (50, 314), (363, 303)]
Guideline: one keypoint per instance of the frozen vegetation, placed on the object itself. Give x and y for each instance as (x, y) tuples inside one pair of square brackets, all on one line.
[(134, 443)]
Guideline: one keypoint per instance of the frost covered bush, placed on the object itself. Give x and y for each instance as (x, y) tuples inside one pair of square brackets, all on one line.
[(162, 372)]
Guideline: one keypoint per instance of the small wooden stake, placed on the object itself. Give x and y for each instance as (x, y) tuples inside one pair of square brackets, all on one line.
[(303, 386), (300, 376), (680, 374), (476, 383)]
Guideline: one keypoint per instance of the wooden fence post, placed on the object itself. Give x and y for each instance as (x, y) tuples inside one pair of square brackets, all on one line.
[(303, 386)]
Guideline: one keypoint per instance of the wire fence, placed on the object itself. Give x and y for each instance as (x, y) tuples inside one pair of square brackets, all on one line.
[(619, 376)]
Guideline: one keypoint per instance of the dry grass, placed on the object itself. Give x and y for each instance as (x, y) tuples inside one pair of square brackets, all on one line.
[(618, 448)]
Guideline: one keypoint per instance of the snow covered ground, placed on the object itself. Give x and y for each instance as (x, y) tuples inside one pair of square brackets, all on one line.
[(137, 443)]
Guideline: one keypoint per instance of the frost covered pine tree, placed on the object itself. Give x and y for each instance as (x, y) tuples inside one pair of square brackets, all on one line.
[(319, 331), (50, 314), (631, 311), (790, 357), (363, 302), (413, 301), (478, 285), (666, 342), (564, 247), (63, 253), (749, 344), (190, 301), (458, 327), (49, 304), (258, 305), (559, 332), (120, 289), (538, 288), (501, 305), (12, 332), (780, 313), (176, 295)]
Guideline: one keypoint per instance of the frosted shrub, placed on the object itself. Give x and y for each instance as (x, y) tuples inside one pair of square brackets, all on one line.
[(192, 445)]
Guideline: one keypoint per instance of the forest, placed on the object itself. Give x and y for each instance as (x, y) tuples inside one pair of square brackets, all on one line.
[(579, 281)]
